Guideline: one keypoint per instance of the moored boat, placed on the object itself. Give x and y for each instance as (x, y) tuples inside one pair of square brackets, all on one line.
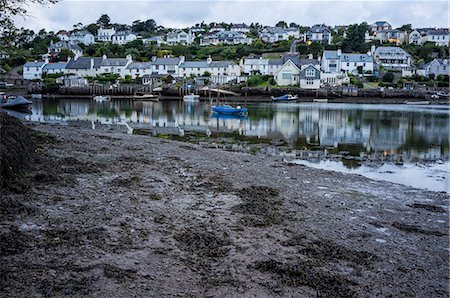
[(424, 102), (146, 97), (191, 97), (320, 100), (101, 98), (16, 102), (229, 110), (285, 97)]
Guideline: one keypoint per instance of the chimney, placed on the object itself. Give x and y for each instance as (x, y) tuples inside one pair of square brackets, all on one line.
[(129, 58), (372, 49), (182, 59), (46, 60), (154, 58), (104, 57), (92, 63), (310, 56), (339, 52), (209, 60)]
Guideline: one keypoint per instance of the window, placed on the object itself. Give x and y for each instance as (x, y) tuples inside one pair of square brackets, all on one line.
[(118, 70), (354, 64), (286, 75), (157, 67), (310, 73), (364, 64), (348, 64), (309, 82)]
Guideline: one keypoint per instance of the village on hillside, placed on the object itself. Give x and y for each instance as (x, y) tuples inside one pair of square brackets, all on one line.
[(360, 55)]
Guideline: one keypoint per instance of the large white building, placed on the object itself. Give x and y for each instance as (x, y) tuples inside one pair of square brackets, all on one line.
[(338, 62), (115, 65), (392, 58), (123, 37), (33, 70), (180, 37), (299, 72), (219, 71), (105, 34)]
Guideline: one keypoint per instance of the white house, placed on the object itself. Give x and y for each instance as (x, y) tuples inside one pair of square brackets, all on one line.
[(243, 28), (105, 34), (180, 37), (115, 65), (167, 65), (55, 68), (380, 25), (417, 35), (392, 58), (338, 62), (255, 65), (159, 40), (55, 48), (436, 67), (217, 28), (84, 66), (302, 72), (123, 37), (395, 36), (440, 37), (139, 69), (33, 70), (63, 35), (319, 33), (275, 66), (220, 71), (275, 34), (225, 37), (84, 37)]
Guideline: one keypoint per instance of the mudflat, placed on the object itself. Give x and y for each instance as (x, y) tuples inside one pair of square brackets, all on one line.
[(103, 213)]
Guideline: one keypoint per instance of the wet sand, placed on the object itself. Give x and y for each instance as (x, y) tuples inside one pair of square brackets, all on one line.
[(109, 214)]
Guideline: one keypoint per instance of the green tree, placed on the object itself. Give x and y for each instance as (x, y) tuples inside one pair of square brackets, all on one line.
[(65, 54), (355, 40), (281, 24), (104, 20), (388, 77)]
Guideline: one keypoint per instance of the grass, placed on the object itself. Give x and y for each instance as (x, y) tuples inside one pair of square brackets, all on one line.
[(370, 85)]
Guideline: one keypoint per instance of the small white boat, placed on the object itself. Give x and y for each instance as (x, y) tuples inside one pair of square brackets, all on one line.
[(425, 102), (146, 97), (191, 97), (320, 100), (36, 96), (101, 98)]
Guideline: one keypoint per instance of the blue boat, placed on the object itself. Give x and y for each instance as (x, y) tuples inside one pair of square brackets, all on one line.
[(285, 97), (229, 110)]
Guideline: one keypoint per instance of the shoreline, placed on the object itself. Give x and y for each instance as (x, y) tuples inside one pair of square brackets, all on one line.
[(132, 215)]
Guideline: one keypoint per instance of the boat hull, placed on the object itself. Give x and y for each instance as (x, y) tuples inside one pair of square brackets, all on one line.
[(286, 97), (228, 110), (19, 103)]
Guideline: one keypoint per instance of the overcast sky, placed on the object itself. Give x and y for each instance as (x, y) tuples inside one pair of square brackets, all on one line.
[(186, 13)]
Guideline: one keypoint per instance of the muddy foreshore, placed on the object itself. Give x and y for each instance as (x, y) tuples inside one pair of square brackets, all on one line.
[(108, 214)]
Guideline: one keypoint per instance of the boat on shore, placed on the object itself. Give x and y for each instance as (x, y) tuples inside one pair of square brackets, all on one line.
[(16, 102), (101, 98), (285, 97), (191, 97), (320, 100), (440, 94), (229, 110), (424, 102), (146, 97)]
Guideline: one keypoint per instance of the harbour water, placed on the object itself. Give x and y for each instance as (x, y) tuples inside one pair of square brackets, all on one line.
[(404, 137)]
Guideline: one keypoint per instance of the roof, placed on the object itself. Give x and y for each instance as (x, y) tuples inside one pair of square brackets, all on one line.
[(319, 28), (84, 63), (114, 62), (195, 64), (34, 64), (380, 23), (438, 32), (243, 25), (391, 51), (65, 45), (221, 63), (443, 62), (274, 30), (258, 61), (299, 62), (139, 65), (80, 33), (166, 61), (57, 65), (347, 57), (122, 33), (275, 62)]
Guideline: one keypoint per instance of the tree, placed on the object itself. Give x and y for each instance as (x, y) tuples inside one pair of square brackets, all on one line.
[(65, 54), (92, 28), (407, 27), (388, 77), (281, 24), (293, 25), (355, 40), (104, 20)]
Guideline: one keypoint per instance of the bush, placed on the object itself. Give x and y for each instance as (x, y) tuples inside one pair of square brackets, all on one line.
[(388, 77), (442, 84)]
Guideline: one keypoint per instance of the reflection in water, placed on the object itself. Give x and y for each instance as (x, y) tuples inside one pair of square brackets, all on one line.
[(413, 131)]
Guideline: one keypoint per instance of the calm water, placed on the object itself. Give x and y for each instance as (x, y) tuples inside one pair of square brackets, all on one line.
[(415, 133)]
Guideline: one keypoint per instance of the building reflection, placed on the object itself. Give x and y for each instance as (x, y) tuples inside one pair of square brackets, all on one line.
[(421, 133)]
